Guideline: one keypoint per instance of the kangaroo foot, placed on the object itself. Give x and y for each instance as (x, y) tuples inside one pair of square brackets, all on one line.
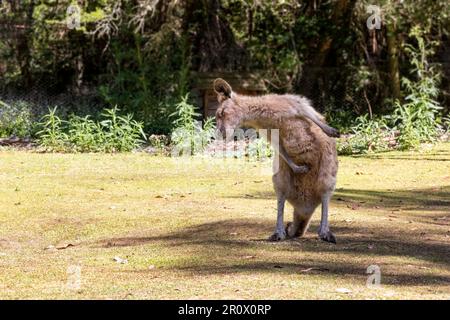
[(332, 132), (300, 169), (327, 236), (278, 236)]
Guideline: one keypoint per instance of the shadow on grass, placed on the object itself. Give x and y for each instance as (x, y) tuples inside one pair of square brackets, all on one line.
[(431, 199), (406, 158), (438, 155), (239, 246)]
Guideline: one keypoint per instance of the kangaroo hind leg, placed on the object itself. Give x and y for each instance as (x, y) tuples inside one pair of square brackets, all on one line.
[(324, 231), (279, 233)]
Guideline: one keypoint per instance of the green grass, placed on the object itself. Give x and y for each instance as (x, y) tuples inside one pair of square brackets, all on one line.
[(199, 229)]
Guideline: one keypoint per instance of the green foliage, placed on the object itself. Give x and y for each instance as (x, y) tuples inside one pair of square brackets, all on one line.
[(119, 133), (84, 134), (343, 120), (16, 119), (189, 136), (185, 114), (150, 69), (368, 135), (146, 82), (113, 133), (52, 135), (259, 148), (158, 142), (417, 118), (415, 121), (270, 37), (139, 54)]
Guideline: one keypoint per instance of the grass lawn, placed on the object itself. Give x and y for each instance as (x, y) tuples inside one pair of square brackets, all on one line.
[(198, 229)]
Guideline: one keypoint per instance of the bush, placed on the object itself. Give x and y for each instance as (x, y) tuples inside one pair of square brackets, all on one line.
[(259, 148), (417, 118), (52, 135), (119, 133), (158, 143), (189, 136), (414, 121), (340, 119), (113, 133), (368, 135), (85, 135), (15, 120)]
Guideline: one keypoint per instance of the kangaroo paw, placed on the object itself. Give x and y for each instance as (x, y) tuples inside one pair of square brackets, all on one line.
[(327, 236), (300, 169), (332, 132), (278, 236)]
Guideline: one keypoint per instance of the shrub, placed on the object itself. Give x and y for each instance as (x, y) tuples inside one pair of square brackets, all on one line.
[(119, 133), (417, 118), (189, 136), (340, 119), (414, 121), (52, 135), (113, 133), (15, 119), (84, 134), (259, 148), (368, 135)]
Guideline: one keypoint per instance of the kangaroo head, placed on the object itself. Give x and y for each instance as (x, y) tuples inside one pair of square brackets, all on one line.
[(229, 114)]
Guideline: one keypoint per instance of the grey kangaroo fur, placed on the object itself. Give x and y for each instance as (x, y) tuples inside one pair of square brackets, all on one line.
[(307, 177)]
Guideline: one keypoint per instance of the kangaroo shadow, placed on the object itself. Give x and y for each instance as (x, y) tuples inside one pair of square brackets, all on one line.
[(230, 240)]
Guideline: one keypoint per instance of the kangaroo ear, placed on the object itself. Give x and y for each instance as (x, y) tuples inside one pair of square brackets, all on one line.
[(222, 87)]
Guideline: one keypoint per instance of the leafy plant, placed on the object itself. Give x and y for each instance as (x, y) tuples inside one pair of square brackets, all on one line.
[(417, 118), (340, 119), (52, 135), (120, 133), (259, 148), (368, 135), (158, 142), (189, 136), (15, 119), (113, 133), (84, 134)]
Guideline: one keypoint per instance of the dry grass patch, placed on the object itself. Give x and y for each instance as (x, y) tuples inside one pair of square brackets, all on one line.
[(199, 229)]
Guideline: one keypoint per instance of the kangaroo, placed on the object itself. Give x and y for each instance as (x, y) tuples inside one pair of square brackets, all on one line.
[(301, 142), (275, 106)]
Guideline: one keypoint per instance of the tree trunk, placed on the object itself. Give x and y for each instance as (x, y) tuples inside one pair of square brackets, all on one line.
[(23, 47), (393, 64), (340, 17), (215, 46)]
